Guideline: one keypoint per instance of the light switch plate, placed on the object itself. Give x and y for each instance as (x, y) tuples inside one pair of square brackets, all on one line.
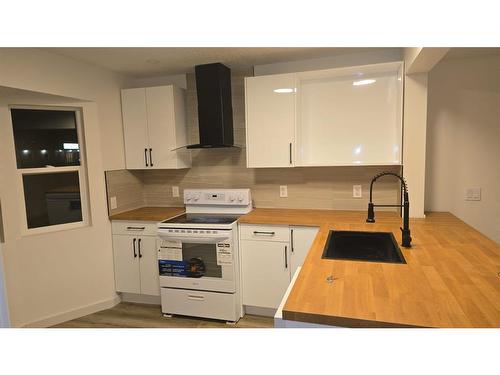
[(473, 194), (356, 191), (112, 202), (175, 191), (283, 191)]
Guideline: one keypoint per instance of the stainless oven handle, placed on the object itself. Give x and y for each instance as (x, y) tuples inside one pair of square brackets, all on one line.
[(195, 297), (187, 239)]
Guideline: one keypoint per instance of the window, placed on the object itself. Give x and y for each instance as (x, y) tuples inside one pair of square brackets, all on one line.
[(48, 144)]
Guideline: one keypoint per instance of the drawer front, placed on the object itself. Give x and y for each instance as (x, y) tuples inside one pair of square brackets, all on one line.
[(139, 228), (265, 232), (197, 303)]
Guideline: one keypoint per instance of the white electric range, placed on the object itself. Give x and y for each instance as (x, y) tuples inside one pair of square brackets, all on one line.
[(198, 255)]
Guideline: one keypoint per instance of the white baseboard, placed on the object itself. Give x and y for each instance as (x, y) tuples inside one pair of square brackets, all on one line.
[(51, 320), (141, 298)]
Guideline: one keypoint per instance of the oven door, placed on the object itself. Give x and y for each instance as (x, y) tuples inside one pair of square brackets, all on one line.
[(196, 261)]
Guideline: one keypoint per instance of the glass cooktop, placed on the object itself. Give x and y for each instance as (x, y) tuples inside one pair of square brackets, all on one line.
[(202, 219)]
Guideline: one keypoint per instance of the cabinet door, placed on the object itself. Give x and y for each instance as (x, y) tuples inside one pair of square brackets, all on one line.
[(126, 264), (150, 283), (301, 241), (350, 116), (265, 272), (270, 120), (161, 126), (135, 128)]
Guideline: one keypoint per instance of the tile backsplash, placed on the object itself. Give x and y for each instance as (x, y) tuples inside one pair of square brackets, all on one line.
[(311, 187)]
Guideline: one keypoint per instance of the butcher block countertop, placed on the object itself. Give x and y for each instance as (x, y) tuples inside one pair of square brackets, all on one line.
[(149, 214), (451, 278)]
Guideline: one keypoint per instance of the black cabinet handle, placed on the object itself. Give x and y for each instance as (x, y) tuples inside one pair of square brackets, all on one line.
[(290, 153), (151, 157), (136, 228), (146, 157), (139, 246), (256, 232), (291, 237), (286, 257), (133, 245)]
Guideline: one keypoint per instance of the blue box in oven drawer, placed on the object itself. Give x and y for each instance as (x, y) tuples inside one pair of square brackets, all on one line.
[(172, 268)]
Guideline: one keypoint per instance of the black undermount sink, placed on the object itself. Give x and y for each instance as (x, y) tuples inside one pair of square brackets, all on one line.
[(364, 246)]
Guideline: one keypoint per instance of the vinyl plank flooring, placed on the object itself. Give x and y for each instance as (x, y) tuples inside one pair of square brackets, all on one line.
[(135, 315)]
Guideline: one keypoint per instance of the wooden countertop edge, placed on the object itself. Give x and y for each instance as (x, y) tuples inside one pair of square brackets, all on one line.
[(145, 214), (341, 321)]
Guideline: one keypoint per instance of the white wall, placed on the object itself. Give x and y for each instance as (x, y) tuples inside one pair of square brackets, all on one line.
[(377, 55), (45, 72), (414, 138), (4, 312), (463, 140), (60, 275), (178, 79)]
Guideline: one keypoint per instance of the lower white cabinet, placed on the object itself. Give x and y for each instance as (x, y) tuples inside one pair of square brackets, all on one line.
[(301, 239), (135, 259), (265, 272), (269, 257)]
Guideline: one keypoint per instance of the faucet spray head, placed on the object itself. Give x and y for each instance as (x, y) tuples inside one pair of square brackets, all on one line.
[(371, 213)]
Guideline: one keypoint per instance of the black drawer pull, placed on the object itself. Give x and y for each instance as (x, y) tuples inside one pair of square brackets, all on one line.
[(136, 228), (256, 232), (133, 246), (139, 247)]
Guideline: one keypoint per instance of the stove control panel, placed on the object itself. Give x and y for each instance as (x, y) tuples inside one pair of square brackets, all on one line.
[(224, 197)]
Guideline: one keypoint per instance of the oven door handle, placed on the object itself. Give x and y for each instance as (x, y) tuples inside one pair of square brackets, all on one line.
[(188, 239)]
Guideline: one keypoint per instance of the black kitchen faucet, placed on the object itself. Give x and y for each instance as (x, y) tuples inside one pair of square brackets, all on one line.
[(406, 237)]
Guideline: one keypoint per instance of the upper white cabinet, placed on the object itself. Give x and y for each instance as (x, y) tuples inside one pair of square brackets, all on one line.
[(343, 116), (154, 125), (350, 116), (270, 120)]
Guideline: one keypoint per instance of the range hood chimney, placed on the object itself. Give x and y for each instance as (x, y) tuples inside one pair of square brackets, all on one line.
[(215, 111)]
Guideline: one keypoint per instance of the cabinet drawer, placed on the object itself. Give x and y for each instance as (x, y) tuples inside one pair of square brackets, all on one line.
[(139, 228), (265, 232), (197, 303)]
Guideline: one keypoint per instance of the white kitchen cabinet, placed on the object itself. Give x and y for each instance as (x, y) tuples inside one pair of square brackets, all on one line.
[(127, 276), (350, 116), (301, 239), (154, 126), (270, 120), (268, 261), (265, 272), (135, 258), (135, 128), (333, 117), (148, 266)]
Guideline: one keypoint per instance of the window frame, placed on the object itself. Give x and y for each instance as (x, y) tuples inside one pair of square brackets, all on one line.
[(80, 169)]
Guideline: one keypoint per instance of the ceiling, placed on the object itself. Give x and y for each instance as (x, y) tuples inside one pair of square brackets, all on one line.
[(150, 62), (464, 52)]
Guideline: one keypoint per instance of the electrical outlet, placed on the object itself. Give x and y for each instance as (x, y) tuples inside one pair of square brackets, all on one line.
[(112, 202), (175, 191), (283, 191), (473, 194), (356, 191)]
